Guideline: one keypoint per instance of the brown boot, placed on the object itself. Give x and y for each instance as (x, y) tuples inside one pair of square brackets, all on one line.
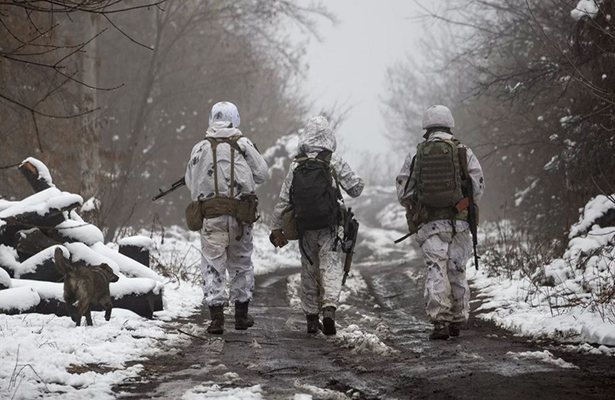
[(216, 327), (243, 320), (312, 323), (440, 332), (328, 321)]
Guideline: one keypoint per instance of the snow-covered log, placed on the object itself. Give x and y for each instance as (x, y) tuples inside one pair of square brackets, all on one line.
[(36, 173), (43, 209), (5, 279), (40, 267), (137, 248), (31, 242), (18, 300)]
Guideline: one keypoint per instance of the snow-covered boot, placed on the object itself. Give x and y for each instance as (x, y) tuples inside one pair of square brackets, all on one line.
[(243, 320), (454, 329), (328, 321), (440, 332), (312, 323), (216, 327)]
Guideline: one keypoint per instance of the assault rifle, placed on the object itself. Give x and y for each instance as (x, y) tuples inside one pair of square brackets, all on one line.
[(472, 209), (174, 186), (351, 231)]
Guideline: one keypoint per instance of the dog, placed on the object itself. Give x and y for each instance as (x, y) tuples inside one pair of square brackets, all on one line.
[(89, 285)]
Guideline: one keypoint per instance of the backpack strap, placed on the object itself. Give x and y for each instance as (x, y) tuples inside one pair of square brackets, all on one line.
[(231, 141)]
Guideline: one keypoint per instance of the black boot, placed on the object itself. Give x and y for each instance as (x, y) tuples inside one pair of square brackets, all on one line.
[(216, 327), (312, 323), (328, 321), (440, 332), (454, 329), (243, 320)]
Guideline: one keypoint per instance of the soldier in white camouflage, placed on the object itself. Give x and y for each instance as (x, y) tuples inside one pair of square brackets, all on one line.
[(322, 270), (443, 232)]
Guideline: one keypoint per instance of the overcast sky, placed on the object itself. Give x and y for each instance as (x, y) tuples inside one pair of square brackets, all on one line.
[(349, 66)]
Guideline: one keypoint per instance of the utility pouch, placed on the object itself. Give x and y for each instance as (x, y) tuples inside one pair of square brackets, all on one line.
[(247, 209), (289, 225), (218, 206), (194, 216), (416, 217)]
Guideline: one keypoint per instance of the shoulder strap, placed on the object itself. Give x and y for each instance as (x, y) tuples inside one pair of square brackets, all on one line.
[(324, 156), (214, 150)]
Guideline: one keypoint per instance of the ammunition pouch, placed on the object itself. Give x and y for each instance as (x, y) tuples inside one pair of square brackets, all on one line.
[(245, 210), (289, 225)]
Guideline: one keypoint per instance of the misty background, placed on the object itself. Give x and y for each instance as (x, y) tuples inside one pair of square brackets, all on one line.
[(113, 95)]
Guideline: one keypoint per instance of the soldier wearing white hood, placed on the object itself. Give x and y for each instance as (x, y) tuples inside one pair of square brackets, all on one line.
[(443, 233), (321, 272), (226, 165)]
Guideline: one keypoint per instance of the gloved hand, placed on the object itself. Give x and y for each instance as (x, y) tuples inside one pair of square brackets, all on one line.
[(277, 238)]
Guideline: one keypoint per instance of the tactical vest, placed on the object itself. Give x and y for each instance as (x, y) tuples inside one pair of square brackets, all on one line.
[(439, 174)]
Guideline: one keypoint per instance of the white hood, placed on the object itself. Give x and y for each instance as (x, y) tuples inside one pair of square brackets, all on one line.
[(225, 111), (317, 136)]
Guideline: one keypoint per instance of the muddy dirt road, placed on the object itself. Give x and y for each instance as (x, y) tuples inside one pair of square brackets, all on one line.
[(381, 352)]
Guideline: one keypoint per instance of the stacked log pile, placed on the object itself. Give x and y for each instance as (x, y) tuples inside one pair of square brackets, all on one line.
[(30, 231)]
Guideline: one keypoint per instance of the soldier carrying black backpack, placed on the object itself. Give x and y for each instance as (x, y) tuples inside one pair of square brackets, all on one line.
[(310, 196), (437, 186)]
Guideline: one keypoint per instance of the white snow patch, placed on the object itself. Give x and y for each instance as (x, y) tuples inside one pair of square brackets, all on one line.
[(127, 265), (43, 171), (361, 342), (42, 202), (80, 231), (18, 299), (321, 394), (213, 391), (92, 204), (5, 279), (544, 356), (585, 8), (138, 241)]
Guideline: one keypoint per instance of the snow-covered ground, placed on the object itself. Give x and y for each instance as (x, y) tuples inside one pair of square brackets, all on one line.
[(571, 299), (44, 356)]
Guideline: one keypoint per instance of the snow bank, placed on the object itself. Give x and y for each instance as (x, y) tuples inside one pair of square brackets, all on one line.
[(585, 8), (18, 299), (31, 264), (593, 210)]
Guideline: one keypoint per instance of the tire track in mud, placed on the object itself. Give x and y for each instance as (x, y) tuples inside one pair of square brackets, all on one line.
[(284, 360)]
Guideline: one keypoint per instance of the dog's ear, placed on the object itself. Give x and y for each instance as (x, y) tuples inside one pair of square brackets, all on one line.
[(60, 261), (108, 271)]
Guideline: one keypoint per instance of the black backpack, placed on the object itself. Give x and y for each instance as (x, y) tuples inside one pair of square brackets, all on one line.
[(312, 194)]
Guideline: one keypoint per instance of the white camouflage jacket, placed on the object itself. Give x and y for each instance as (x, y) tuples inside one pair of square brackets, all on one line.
[(249, 170), (316, 137), (406, 189)]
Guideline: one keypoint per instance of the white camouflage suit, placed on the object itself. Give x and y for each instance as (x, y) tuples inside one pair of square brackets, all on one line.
[(447, 293), (226, 245), (321, 282)]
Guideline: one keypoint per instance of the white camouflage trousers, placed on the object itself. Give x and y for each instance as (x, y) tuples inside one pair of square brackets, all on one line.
[(447, 294), (222, 252), (321, 282)]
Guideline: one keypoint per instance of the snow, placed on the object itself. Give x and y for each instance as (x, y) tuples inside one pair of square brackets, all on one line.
[(352, 337), (585, 8), (213, 391), (544, 356), (18, 299), (127, 265), (92, 204), (594, 209), (565, 299), (43, 171), (5, 279), (81, 252), (8, 258), (42, 202), (142, 242), (80, 231), (31, 264)]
